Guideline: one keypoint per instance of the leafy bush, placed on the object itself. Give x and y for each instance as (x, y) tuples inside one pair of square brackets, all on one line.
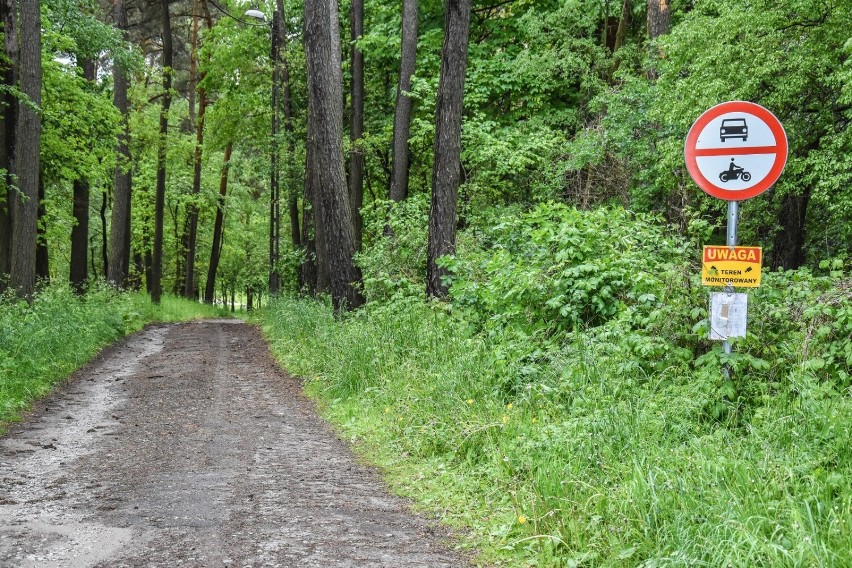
[(568, 408), (394, 263), (557, 268)]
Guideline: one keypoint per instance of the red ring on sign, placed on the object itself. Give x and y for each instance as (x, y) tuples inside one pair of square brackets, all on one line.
[(690, 152)]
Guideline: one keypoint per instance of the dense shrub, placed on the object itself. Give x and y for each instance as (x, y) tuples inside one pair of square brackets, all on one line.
[(394, 262), (568, 408)]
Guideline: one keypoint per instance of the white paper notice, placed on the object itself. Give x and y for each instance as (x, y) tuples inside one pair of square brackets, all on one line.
[(728, 315)]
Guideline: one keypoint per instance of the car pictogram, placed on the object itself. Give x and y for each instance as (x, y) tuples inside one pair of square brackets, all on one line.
[(734, 128)]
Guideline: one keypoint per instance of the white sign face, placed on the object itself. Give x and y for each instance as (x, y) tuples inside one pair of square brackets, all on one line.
[(734, 133), (736, 150), (728, 315)]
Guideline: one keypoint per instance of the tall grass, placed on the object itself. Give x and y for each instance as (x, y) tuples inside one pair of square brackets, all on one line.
[(42, 343), (583, 460)]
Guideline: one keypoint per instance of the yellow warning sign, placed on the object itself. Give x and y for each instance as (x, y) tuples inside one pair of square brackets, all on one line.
[(735, 266)]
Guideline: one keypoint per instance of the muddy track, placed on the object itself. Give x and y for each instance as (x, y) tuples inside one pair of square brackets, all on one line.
[(184, 445)]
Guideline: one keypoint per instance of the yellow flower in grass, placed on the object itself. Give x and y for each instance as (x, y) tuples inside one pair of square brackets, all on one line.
[(387, 410), (470, 401), (509, 406), (505, 419), (522, 520)]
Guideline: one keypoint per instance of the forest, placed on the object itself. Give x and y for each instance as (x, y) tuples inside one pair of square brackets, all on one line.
[(469, 226)]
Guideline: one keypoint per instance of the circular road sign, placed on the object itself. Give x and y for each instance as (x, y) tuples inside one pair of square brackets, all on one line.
[(736, 150)]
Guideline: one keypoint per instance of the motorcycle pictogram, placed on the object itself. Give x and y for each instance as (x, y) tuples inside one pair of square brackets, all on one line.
[(734, 172)]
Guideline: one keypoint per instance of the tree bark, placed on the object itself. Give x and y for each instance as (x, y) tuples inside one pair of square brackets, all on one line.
[(326, 125), (80, 236), (104, 245), (287, 105), (446, 172), (189, 278), (659, 22), (356, 120), (27, 159), (181, 234), (274, 179), (216, 250), (80, 231), (659, 18), (402, 114), (789, 250), (9, 106), (621, 34), (118, 267), (193, 66), (623, 24), (160, 198), (42, 254), (308, 270)]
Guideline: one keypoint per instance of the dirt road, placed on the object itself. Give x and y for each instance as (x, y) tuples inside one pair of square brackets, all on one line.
[(184, 445)]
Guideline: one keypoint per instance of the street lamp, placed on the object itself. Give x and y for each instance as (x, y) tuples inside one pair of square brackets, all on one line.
[(275, 187)]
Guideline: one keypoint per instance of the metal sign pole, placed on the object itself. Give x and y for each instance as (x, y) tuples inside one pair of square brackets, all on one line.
[(733, 217)]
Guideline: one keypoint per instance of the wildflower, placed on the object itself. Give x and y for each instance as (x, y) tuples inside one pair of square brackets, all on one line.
[(387, 410), (470, 401), (509, 406), (505, 419), (522, 519)]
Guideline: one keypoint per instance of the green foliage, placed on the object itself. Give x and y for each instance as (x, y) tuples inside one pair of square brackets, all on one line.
[(394, 263), (790, 56), (567, 407), (42, 343), (557, 269)]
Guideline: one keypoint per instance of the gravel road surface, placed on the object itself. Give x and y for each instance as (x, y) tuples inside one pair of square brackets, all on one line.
[(185, 445)]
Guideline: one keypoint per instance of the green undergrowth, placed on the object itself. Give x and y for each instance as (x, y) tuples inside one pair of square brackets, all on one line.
[(42, 343), (563, 423)]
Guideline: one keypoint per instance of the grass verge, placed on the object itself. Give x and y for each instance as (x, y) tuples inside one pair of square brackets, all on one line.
[(579, 459)]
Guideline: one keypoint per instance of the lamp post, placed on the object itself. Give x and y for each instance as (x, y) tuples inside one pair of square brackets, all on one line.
[(274, 181)]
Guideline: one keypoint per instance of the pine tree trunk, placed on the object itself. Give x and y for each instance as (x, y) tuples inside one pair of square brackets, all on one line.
[(659, 18), (402, 115), (80, 232), (216, 249), (160, 198), (446, 172), (80, 236), (659, 22), (323, 280), (27, 159), (42, 254), (275, 179), (308, 270), (118, 267), (356, 122), (9, 115), (104, 245), (788, 252), (181, 234), (326, 126), (189, 277), (287, 107), (193, 67)]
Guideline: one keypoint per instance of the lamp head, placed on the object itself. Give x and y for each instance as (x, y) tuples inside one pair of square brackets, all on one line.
[(256, 14)]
